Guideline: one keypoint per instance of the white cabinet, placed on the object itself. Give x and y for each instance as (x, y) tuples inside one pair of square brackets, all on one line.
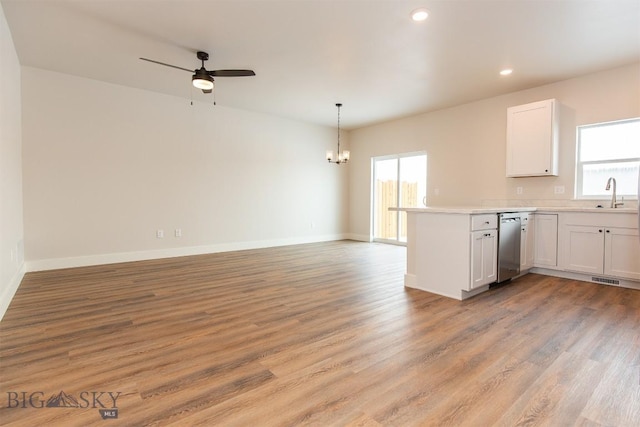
[(601, 245), (484, 250), (546, 240), (484, 255), (451, 253), (583, 249), (532, 139), (527, 241), (622, 253)]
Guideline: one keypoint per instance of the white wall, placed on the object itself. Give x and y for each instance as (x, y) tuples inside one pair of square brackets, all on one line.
[(11, 225), (466, 145), (105, 166)]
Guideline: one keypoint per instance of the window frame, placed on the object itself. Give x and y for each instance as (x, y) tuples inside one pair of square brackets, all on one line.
[(401, 216), (581, 164)]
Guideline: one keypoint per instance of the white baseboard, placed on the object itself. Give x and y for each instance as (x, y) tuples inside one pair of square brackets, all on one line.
[(84, 261), (359, 237), (623, 283), (10, 290), (411, 281)]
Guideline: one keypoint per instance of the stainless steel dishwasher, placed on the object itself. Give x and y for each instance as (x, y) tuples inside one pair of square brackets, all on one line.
[(508, 246)]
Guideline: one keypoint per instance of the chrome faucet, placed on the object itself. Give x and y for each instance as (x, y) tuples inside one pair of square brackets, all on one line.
[(614, 203)]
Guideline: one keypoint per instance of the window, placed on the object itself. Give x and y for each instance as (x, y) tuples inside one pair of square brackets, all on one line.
[(606, 150)]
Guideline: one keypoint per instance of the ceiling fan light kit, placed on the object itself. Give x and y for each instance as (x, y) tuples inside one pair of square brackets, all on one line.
[(202, 80)]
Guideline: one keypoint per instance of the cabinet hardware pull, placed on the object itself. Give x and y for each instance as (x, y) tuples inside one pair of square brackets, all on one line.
[(599, 231), (608, 231)]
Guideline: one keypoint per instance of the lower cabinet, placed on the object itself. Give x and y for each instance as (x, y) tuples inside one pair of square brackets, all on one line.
[(602, 250), (546, 240), (622, 253), (527, 242), (484, 256), (583, 249)]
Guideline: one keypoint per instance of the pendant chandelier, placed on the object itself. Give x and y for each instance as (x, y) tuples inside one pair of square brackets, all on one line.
[(342, 157)]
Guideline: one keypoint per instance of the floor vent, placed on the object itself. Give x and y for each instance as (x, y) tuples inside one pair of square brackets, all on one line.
[(603, 280)]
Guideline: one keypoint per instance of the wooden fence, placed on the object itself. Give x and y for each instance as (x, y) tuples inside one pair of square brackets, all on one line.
[(386, 196)]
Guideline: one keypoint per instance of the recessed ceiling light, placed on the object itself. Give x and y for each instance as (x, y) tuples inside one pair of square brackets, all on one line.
[(420, 14), (506, 72)]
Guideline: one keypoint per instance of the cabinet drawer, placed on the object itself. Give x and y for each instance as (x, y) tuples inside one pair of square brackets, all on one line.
[(484, 222)]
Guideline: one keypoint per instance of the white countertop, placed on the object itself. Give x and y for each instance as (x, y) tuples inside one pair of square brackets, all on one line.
[(473, 210), (585, 209), (464, 210)]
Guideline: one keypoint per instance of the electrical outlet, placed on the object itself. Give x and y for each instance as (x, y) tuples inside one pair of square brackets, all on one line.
[(178, 232), (313, 224), (436, 191), (558, 189), (518, 190), (159, 234)]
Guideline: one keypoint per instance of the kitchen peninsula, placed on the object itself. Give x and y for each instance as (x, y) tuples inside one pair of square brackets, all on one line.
[(454, 251)]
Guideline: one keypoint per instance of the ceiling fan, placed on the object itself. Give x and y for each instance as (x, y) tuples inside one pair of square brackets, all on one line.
[(203, 78)]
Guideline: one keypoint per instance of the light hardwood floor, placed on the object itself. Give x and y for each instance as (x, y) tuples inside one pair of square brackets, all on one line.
[(321, 334)]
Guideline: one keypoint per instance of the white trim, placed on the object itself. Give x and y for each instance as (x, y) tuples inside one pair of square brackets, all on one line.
[(372, 209), (579, 164), (359, 237), (411, 281), (623, 283), (101, 259), (11, 289), (390, 241)]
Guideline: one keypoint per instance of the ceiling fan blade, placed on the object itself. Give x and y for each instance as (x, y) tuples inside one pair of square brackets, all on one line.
[(231, 73), (167, 65)]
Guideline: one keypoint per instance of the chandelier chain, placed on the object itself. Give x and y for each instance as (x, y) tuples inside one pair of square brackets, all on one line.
[(339, 105), (341, 156)]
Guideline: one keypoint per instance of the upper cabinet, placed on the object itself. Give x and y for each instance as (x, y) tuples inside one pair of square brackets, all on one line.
[(532, 139)]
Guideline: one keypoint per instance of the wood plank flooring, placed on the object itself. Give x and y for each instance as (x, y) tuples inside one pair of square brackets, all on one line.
[(320, 334)]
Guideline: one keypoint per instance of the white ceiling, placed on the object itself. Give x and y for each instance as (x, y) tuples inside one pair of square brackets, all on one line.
[(310, 54)]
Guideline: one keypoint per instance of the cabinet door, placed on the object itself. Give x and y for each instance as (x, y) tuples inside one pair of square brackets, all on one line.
[(476, 259), (532, 131), (484, 254), (530, 244), (546, 240), (622, 253), (584, 249), (527, 247), (490, 256)]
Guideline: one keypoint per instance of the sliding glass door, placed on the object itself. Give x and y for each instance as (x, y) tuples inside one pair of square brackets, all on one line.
[(398, 181)]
